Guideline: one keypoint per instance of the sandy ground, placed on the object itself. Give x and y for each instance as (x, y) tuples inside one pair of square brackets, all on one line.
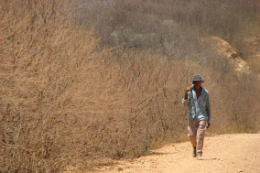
[(231, 153)]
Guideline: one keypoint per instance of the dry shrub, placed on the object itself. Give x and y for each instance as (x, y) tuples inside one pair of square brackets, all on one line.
[(43, 54), (64, 102)]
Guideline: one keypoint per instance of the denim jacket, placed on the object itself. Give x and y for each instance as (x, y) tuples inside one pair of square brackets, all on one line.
[(199, 108)]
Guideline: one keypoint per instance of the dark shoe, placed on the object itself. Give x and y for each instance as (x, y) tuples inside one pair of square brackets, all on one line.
[(194, 153)]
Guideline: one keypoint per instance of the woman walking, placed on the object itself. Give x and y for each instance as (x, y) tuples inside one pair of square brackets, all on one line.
[(197, 100)]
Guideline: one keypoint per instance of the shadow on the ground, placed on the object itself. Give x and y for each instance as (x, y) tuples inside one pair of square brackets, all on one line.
[(159, 153), (210, 159)]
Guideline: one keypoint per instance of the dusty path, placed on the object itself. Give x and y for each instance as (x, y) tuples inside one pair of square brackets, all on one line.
[(224, 154)]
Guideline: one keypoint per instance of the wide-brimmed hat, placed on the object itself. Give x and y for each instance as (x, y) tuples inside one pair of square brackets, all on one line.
[(197, 77)]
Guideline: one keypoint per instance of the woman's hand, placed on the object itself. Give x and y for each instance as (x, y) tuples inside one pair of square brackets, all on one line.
[(188, 89)]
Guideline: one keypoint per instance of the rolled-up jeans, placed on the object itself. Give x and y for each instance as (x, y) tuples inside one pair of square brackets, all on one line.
[(196, 133)]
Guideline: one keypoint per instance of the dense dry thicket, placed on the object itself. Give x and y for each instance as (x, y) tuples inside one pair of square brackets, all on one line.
[(227, 19), (234, 21), (66, 101)]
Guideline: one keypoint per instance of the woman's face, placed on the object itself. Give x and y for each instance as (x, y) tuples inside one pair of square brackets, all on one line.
[(197, 84)]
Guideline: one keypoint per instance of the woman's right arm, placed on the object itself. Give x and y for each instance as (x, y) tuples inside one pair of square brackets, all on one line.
[(185, 100)]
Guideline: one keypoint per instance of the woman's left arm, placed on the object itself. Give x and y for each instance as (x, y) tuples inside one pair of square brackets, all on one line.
[(208, 109)]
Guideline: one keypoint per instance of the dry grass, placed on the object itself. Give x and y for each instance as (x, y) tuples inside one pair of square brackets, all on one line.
[(65, 101)]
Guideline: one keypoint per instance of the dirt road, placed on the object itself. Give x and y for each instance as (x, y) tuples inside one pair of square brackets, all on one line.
[(222, 154)]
